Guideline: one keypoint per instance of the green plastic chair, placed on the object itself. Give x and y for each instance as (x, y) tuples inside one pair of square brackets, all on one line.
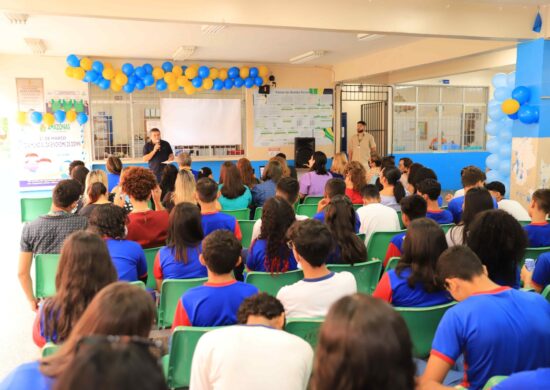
[(272, 283), (49, 349), (305, 328), (170, 293), (446, 227), (378, 244), (150, 255), (242, 214), (177, 364), (366, 274), (546, 293), (139, 284), (493, 381), (357, 206), (32, 208), (422, 323), (400, 216), (392, 263), (257, 213), (45, 271), (362, 236), (524, 223), (534, 253), (309, 210), (246, 229), (312, 200)]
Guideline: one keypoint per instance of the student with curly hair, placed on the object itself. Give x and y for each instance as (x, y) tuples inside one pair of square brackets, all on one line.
[(356, 178)]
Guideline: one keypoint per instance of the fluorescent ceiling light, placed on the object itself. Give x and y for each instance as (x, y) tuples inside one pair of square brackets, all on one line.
[(212, 29), (368, 37), (183, 52), (15, 18), (37, 45), (310, 55)]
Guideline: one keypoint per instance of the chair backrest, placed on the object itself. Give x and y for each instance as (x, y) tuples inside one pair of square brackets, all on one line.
[(312, 200), (257, 213), (150, 255), (366, 274), (305, 328), (45, 271), (32, 208), (272, 283), (378, 244), (309, 210), (243, 214), (400, 217), (139, 284), (49, 349), (362, 236), (246, 229), (534, 253), (177, 364), (546, 293), (422, 323), (493, 381), (392, 263), (170, 293), (446, 227), (524, 223)]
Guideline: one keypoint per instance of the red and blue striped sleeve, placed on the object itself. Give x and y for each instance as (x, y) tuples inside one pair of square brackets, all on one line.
[(541, 274), (384, 290), (393, 251), (447, 344), (237, 231), (157, 269), (37, 334), (180, 316), (142, 265)]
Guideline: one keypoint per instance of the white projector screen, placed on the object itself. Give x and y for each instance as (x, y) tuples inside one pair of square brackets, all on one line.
[(201, 121)]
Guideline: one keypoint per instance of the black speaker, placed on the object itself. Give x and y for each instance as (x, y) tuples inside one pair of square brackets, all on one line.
[(303, 150)]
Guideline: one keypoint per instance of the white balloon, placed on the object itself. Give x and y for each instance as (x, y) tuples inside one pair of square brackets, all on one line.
[(500, 80), (511, 80)]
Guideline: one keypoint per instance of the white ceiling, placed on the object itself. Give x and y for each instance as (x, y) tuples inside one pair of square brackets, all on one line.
[(158, 40)]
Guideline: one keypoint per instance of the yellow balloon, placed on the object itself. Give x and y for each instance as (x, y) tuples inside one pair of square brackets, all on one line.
[(194, 66), (116, 87), (189, 89), (244, 72), (263, 71), (71, 116), (173, 87), (69, 71), (207, 84), (86, 63), (170, 78), (121, 79), (108, 73), (182, 81), (510, 106), (222, 74), (49, 119), (107, 65), (191, 72), (177, 70), (158, 73), (22, 117), (214, 73), (78, 73)]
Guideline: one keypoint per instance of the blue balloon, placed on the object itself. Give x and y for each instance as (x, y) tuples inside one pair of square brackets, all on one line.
[(521, 94), (494, 103), (500, 80), (253, 72), (73, 61), (148, 80), (133, 79), (148, 68), (233, 72), (496, 114), (505, 150), (492, 162), (536, 117), (218, 85), (501, 94), (504, 167), (197, 82), (98, 66), (104, 84), (527, 114), (140, 72), (491, 128), (238, 82), (493, 145), (81, 118), (98, 80), (60, 116), (167, 66), (127, 69), (128, 87), (91, 76), (204, 72), (508, 124), (184, 68), (140, 85), (493, 176), (513, 116), (161, 85), (258, 81), (36, 117), (249, 82), (505, 135), (511, 80), (228, 83)]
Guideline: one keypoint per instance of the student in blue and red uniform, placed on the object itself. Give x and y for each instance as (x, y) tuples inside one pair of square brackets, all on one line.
[(412, 207), (217, 301), (212, 219), (430, 190), (536, 379), (128, 258), (538, 278), (471, 177), (179, 259), (539, 228), (499, 330), (270, 253), (332, 188), (412, 283)]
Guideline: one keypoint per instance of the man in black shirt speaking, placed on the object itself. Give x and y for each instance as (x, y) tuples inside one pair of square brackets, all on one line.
[(156, 151)]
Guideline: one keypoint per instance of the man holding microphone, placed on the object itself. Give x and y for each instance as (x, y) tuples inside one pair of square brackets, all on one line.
[(156, 151)]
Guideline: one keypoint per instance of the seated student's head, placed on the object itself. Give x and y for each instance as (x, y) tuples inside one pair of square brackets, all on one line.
[(476, 200), (114, 165), (108, 220), (168, 178), (420, 175), (113, 363), (496, 189), (335, 187), (390, 178), (429, 189), (137, 183), (277, 216), (262, 309), (318, 162), (311, 242), (85, 267), (375, 161), (424, 243), (184, 187), (96, 176), (273, 171), (184, 160), (471, 177), (221, 252), (74, 164), (499, 241), (370, 194), (404, 164), (413, 169), (413, 207), (79, 174), (206, 190), (66, 193), (205, 172), (119, 309), (356, 175), (363, 344), (458, 268), (387, 162), (288, 188), (284, 165), (339, 162), (184, 229), (540, 203)]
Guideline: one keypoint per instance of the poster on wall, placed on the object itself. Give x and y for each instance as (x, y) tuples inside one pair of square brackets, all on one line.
[(30, 94), (288, 113), (45, 152)]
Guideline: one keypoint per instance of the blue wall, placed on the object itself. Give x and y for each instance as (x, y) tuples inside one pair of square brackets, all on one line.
[(447, 165)]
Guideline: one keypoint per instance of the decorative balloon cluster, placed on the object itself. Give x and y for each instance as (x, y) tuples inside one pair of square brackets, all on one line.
[(59, 116), (190, 78)]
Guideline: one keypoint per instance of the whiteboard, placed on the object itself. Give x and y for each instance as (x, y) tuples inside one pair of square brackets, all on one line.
[(201, 121)]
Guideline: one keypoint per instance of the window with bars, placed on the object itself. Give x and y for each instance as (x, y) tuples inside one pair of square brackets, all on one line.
[(439, 118)]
